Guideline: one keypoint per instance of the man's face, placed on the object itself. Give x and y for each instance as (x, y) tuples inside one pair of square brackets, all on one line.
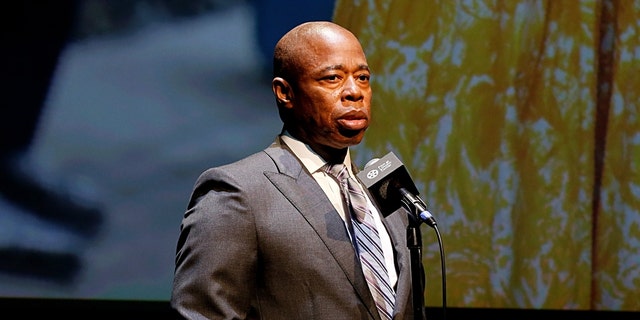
[(331, 101)]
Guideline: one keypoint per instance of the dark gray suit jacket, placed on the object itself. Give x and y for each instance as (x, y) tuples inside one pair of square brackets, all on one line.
[(261, 240)]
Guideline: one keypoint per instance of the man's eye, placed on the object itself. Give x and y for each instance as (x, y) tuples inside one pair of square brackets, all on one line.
[(363, 77)]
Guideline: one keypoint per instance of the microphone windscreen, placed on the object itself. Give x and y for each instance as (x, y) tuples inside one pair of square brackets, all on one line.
[(383, 179)]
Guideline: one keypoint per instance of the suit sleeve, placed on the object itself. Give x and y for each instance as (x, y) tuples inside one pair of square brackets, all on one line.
[(216, 252)]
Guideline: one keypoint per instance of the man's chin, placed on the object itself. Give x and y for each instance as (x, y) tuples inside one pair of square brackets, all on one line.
[(353, 133), (352, 138)]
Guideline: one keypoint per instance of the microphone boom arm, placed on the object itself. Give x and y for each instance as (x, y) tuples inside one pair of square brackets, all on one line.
[(416, 206)]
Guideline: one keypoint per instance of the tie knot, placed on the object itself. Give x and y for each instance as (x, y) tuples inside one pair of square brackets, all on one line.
[(338, 170)]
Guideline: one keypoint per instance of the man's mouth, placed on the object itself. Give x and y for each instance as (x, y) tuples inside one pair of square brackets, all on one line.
[(353, 123)]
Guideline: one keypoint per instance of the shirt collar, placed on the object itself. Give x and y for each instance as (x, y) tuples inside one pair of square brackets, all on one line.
[(309, 158)]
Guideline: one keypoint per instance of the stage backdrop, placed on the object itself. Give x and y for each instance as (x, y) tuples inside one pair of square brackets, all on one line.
[(519, 122)]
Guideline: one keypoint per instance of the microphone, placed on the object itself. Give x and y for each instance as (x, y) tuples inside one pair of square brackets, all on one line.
[(390, 186)]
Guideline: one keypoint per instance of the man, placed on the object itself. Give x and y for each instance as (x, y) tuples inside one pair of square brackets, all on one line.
[(270, 236)]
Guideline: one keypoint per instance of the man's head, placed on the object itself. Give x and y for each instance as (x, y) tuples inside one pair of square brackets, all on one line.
[(321, 85)]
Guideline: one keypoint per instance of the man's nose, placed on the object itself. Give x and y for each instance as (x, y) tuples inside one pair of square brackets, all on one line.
[(351, 90)]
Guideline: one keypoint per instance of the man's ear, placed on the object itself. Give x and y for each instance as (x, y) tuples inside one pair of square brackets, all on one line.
[(282, 91)]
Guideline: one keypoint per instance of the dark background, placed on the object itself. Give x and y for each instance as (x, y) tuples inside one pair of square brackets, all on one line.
[(143, 96)]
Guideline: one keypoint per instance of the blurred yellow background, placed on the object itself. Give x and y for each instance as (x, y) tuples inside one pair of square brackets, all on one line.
[(518, 121)]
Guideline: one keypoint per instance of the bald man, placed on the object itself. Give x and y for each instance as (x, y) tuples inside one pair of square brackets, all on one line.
[(269, 236)]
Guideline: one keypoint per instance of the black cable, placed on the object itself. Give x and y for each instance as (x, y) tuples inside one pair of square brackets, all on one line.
[(444, 274)]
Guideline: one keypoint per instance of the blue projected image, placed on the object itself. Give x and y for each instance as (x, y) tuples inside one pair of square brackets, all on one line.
[(144, 96)]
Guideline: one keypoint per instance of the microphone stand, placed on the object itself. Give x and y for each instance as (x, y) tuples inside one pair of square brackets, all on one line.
[(418, 214), (414, 243)]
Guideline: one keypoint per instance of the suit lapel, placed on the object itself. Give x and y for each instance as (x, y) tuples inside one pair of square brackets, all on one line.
[(304, 193)]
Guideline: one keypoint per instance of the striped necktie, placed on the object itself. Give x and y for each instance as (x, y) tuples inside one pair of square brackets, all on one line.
[(367, 240)]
